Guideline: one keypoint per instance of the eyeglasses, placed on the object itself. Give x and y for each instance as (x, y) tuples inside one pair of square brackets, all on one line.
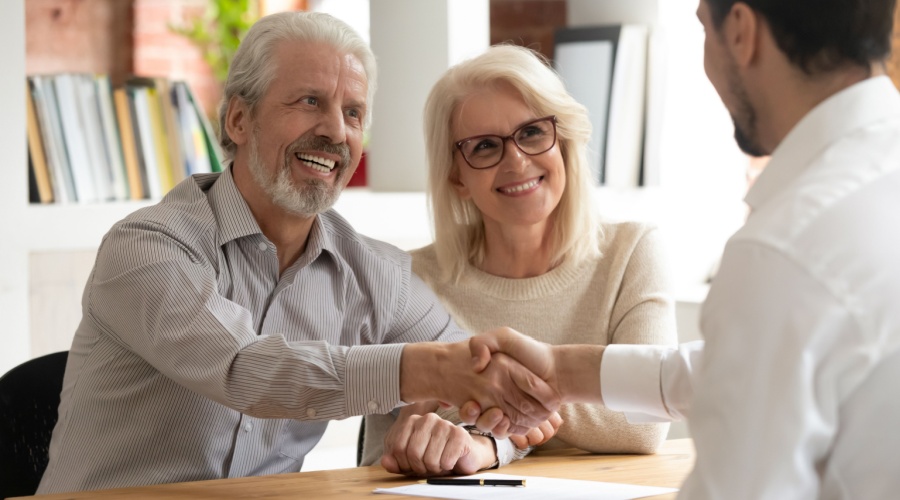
[(486, 151)]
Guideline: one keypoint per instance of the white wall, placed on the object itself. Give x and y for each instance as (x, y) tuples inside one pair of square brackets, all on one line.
[(14, 185), (415, 41), (698, 202), (588, 12)]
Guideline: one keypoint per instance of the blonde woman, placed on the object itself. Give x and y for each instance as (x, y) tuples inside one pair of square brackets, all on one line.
[(517, 244)]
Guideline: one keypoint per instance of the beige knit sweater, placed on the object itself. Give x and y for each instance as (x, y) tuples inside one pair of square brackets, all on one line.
[(621, 297)]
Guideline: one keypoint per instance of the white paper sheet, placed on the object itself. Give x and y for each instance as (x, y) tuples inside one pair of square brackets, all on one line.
[(538, 488)]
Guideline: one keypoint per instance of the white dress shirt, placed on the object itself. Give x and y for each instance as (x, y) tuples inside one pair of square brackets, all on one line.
[(794, 394)]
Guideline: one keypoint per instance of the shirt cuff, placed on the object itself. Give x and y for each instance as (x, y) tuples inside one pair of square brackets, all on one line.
[(373, 378), (507, 452), (630, 382)]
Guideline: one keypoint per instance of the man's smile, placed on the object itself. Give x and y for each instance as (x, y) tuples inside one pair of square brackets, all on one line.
[(317, 163)]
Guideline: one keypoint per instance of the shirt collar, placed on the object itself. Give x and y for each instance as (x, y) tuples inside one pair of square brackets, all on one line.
[(235, 220), (855, 107), (320, 242)]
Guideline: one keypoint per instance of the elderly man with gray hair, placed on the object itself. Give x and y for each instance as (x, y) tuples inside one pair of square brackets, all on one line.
[(224, 326)]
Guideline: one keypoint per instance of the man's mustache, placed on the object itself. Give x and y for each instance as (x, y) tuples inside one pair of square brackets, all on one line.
[(316, 143)]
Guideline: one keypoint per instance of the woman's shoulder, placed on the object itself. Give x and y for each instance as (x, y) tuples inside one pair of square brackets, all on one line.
[(424, 254), (623, 234), (424, 262)]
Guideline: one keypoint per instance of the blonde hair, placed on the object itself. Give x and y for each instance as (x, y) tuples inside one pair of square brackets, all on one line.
[(458, 225), (253, 68)]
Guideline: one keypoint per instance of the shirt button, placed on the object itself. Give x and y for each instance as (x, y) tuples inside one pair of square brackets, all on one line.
[(311, 412), (373, 406), (263, 247), (248, 427)]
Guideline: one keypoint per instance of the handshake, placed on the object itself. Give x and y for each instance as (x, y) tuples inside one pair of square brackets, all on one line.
[(502, 381)]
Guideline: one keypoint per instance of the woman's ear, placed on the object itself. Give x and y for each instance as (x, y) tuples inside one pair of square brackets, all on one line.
[(461, 190), (237, 121)]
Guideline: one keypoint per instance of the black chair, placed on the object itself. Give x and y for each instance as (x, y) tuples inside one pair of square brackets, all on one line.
[(360, 441), (29, 401)]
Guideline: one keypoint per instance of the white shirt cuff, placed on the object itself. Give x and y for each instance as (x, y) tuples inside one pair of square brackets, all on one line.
[(630, 382)]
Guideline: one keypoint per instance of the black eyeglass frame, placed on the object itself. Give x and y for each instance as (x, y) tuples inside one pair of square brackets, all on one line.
[(512, 137)]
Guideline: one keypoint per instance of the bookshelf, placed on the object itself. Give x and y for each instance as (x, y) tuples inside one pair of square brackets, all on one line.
[(28, 228)]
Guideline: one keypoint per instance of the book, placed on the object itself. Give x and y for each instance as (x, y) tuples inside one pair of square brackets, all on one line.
[(89, 142), (51, 133), (112, 142), (139, 99), (124, 121), (192, 141), (170, 122), (160, 140), (604, 68), (210, 142), (74, 138), (38, 160), (89, 113), (33, 195)]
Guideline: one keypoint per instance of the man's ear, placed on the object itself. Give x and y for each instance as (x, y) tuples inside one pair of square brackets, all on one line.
[(742, 31), (237, 121)]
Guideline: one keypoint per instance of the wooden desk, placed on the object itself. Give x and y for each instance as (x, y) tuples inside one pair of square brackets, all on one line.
[(667, 468)]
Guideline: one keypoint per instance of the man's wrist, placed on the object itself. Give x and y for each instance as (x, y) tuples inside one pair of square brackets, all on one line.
[(575, 366), (485, 440), (417, 360)]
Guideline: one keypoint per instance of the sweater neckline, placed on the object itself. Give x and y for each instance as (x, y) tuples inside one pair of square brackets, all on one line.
[(549, 283)]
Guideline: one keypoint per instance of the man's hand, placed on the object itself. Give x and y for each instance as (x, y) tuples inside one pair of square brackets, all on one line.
[(428, 445), (573, 371), (540, 434), (536, 356), (443, 372)]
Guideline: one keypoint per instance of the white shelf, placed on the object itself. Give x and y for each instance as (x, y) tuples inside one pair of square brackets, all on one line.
[(73, 227)]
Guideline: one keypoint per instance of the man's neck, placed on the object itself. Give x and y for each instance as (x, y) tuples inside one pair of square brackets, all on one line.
[(288, 232), (785, 105)]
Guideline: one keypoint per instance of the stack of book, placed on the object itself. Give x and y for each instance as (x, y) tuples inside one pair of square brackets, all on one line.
[(89, 142)]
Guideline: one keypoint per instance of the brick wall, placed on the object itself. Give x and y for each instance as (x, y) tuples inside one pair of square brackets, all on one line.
[(160, 52), (530, 23), (118, 37), (78, 36), (894, 62)]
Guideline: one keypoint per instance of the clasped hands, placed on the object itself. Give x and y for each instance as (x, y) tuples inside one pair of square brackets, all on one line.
[(511, 376)]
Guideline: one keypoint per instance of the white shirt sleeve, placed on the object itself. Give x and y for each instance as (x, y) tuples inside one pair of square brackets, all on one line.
[(649, 383)]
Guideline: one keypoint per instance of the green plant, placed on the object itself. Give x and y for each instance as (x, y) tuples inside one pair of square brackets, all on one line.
[(220, 30)]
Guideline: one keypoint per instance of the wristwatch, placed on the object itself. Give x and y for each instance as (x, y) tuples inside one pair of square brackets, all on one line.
[(475, 431)]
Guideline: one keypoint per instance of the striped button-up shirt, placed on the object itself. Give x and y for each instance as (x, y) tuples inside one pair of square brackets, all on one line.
[(196, 360)]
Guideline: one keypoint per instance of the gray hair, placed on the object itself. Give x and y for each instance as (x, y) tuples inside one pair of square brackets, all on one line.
[(253, 68), (459, 232)]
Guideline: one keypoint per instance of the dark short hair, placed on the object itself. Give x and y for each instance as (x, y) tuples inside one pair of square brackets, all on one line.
[(821, 35)]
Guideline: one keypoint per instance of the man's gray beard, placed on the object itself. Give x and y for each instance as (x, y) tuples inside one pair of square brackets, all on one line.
[(314, 197)]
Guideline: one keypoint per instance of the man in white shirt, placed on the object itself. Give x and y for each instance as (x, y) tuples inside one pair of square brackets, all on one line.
[(793, 394)]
